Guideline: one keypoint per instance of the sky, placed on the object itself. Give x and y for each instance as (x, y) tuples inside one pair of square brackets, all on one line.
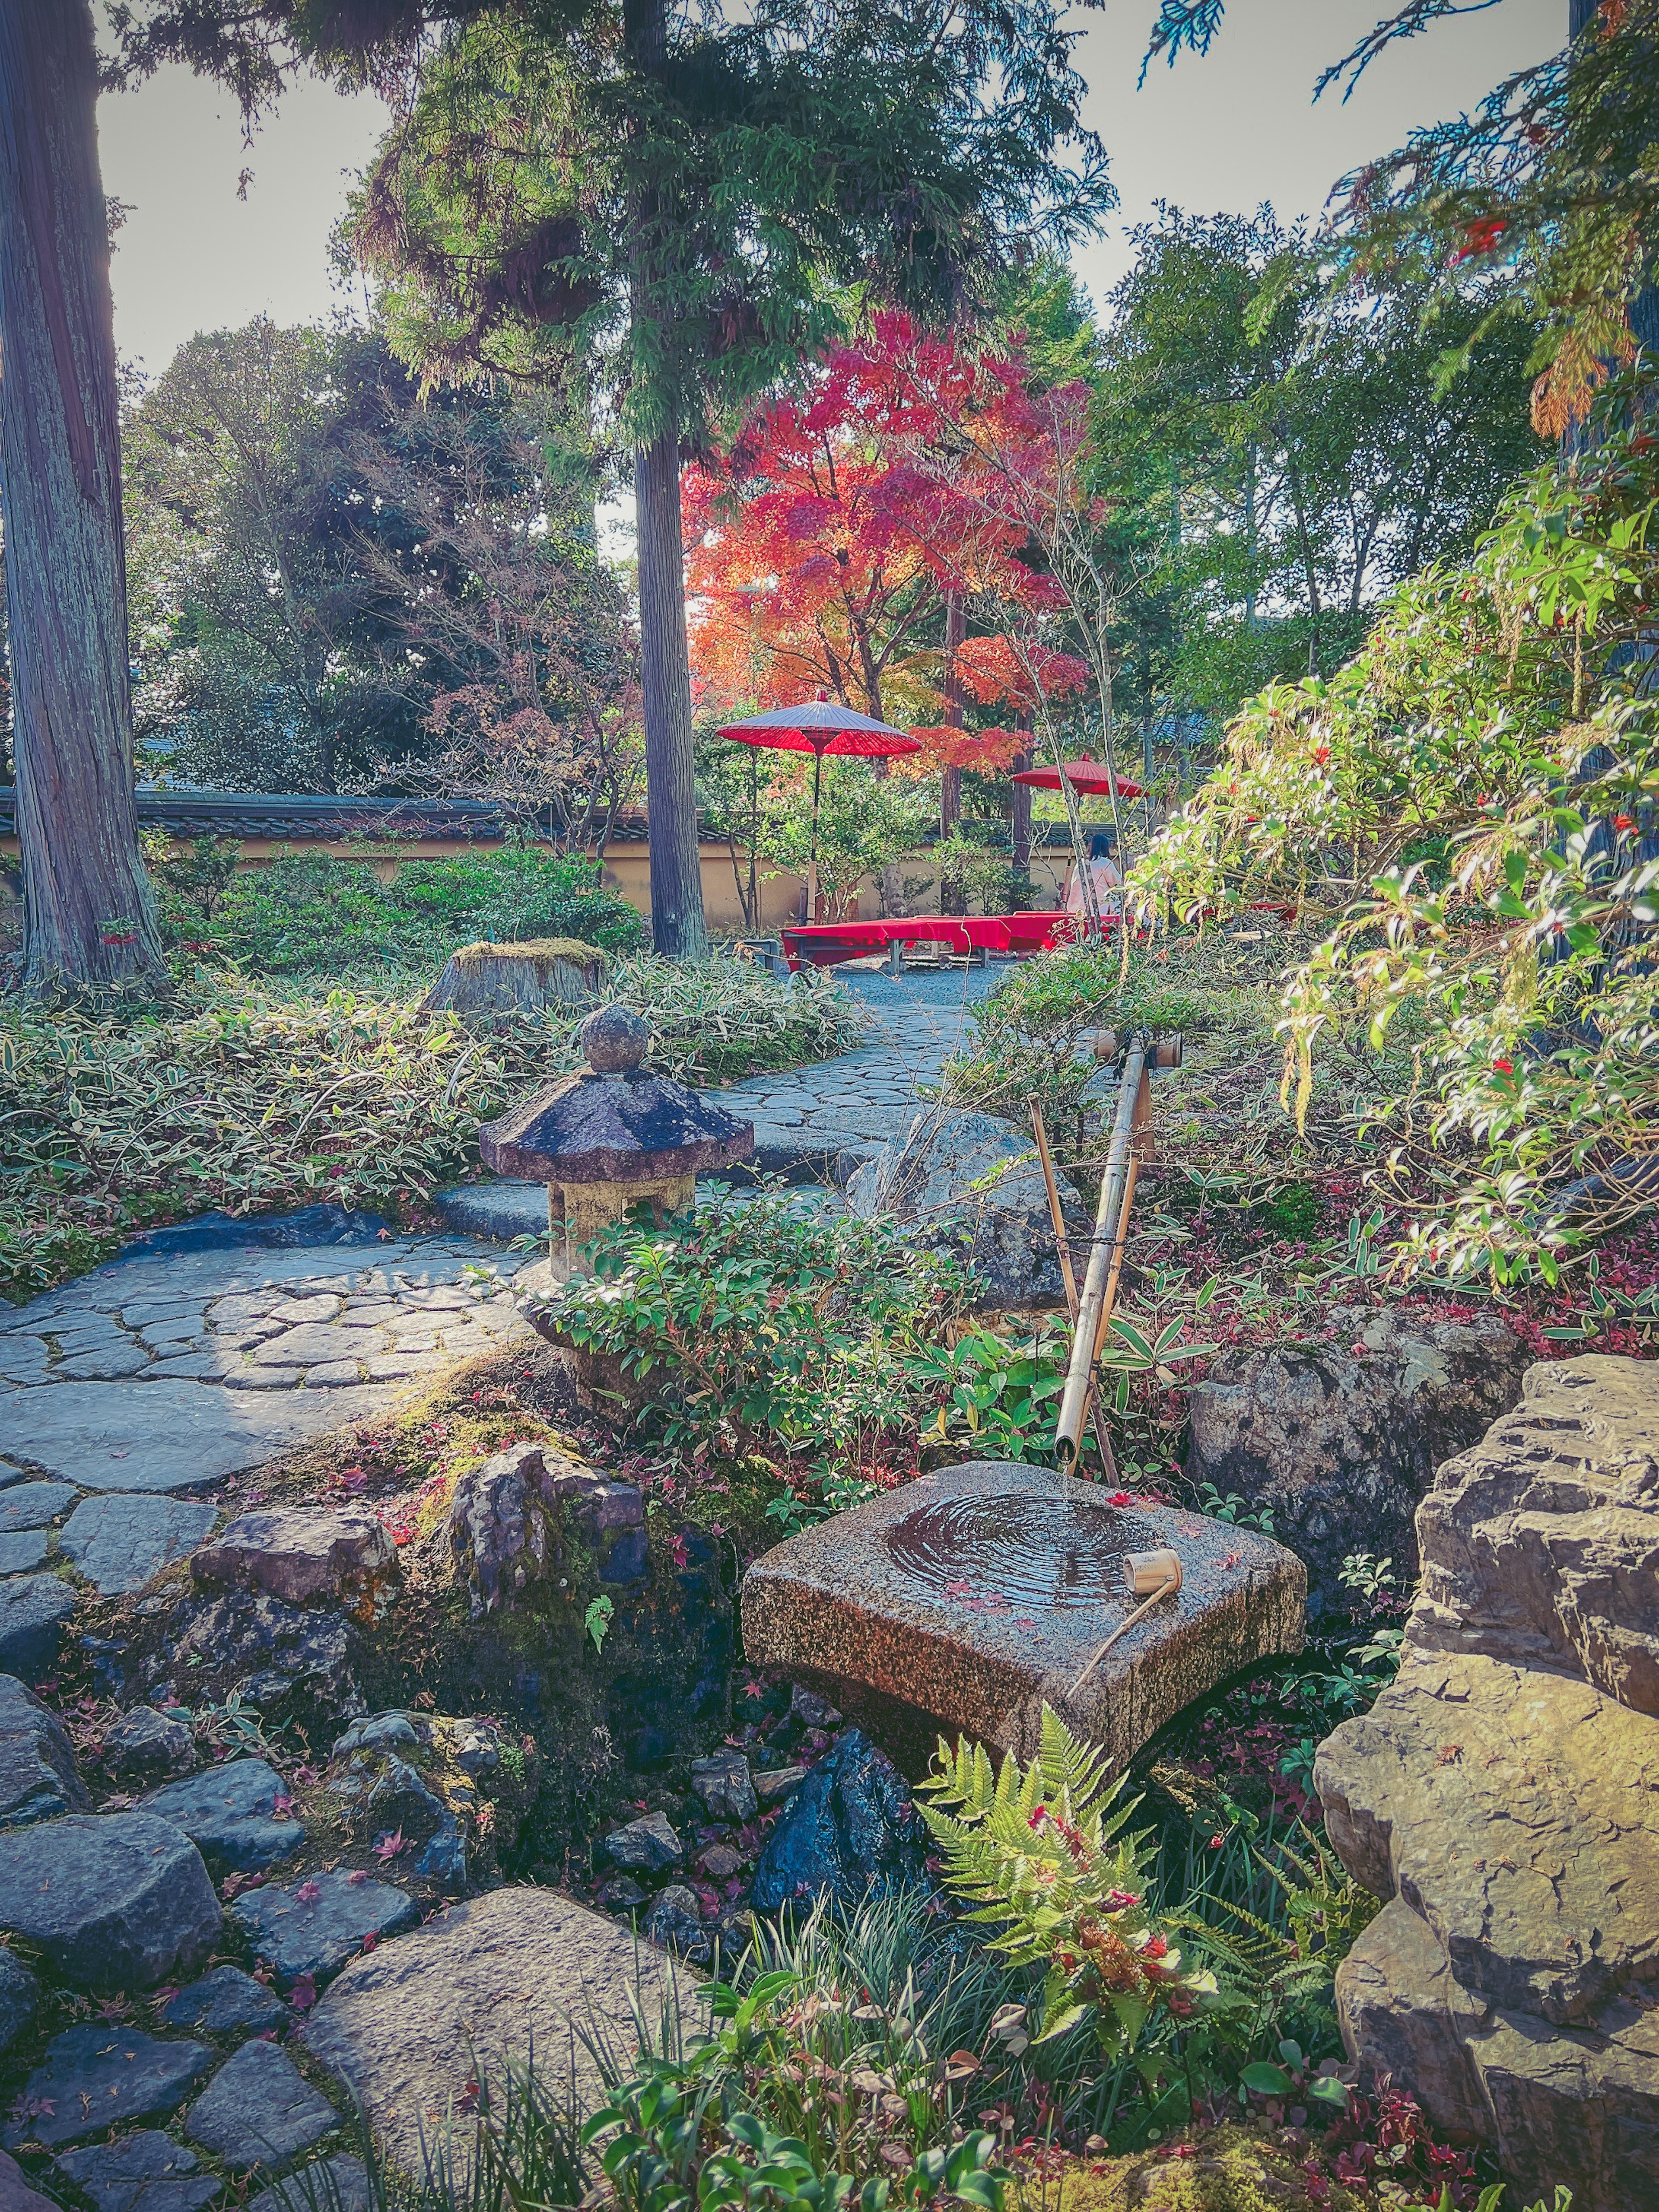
[(1216, 134)]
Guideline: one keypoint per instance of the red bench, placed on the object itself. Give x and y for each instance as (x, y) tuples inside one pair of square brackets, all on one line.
[(821, 944)]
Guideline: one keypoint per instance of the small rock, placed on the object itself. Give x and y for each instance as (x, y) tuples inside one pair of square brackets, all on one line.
[(328, 2185), (145, 2173), (15, 2195), (317, 1937), (21, 1554), (501, 1521), (298, 1556), (227, 1813), (648, 1846), (849, 1825), (144, 1745), (38, 1776), (32, 1505), (32, 1611), (622, 1893), (259, 2109), (20, 1998), (401, 1803), (115, 1901), (675, 1921), (811, 1710), (774, 1784), (720, 1861), (121, 1541), (378, 1732), (96, 2078), (223, 2002), (723, 1783)]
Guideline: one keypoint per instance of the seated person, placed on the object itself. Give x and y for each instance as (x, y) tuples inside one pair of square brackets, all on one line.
[(1108, 881)]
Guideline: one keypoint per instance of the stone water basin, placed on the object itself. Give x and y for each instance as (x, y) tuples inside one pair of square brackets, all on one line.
[(964, 1600)]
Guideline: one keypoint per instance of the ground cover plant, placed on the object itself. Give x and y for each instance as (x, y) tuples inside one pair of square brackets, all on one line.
[(254, 1097), (307, 914)]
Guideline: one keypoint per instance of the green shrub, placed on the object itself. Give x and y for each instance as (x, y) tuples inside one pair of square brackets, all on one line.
[(309, 915), (760, 1324)]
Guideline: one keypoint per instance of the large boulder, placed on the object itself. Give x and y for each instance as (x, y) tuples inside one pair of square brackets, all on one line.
[(116, 1901), (1504, 1796), (1339, 1435), (38, 1775), (404, 2027), (971, 1184)]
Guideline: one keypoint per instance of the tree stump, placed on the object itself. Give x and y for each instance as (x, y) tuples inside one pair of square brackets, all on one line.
[(484, 980)]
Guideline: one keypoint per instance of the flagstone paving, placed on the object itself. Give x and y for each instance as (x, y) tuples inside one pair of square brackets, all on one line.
[(154, 1378)]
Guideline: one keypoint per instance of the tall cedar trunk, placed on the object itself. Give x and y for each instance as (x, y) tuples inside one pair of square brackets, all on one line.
[(952, 900), (678, 928), (88, 916), (676, 920)]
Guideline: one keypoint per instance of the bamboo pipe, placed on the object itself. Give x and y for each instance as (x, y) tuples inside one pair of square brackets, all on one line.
[(1091, 1305), (1107, 1463)]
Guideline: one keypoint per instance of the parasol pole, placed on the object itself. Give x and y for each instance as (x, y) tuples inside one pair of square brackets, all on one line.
[(812, 856)]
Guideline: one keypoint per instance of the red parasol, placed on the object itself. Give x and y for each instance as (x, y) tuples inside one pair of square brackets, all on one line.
[(1088, 775), (819, 726)]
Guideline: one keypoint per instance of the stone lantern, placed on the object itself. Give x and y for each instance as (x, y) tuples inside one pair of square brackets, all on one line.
[(605, 1140)]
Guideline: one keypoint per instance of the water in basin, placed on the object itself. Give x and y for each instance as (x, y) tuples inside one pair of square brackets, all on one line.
[(1022, 1553)]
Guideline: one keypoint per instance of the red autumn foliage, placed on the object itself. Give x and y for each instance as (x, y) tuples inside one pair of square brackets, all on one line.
[(823, 544)]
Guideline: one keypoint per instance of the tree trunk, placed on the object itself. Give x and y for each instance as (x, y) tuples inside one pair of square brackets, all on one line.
[(671, 799), (678, 928), (1022, 821), (952, 901), (90, 917)]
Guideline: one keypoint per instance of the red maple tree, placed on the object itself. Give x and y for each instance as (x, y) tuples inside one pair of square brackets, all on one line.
[(828, 543)]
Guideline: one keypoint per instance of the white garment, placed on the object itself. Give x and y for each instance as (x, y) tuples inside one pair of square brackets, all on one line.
[(1108, 888)]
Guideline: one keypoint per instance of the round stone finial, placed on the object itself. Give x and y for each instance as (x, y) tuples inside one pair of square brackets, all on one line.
[(615, 1040)]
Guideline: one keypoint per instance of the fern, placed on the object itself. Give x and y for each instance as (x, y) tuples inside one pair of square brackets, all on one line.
[(1045, 1853), (1326, 1910)]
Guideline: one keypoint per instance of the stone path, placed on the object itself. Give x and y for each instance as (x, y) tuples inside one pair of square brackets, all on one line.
[(861, 1098), (161, 1373)]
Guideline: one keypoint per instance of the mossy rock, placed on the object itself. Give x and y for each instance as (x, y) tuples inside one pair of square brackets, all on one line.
[(1213, 2170)]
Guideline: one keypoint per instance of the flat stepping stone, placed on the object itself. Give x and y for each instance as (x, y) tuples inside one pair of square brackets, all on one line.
[(227, 1813), (38, 1775), (962, 1602), (99, 2077), (316, 1342), (32, 1611), (120, 1541), (328, 2185), (143, 2173), (108, 1365), (23, 1359), (316, 1936), (21, 1554), (224, 2003), (259, 2109), (403, 2027), (33, 1504), (114, 1900), (162, 1434)]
